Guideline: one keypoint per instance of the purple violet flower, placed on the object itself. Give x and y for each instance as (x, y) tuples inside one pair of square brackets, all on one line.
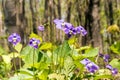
[(34, 42), (14, 38), (41, 28), (68, 25), (81, 30), (70, 31), (60, 24), (92, 67), (106, 57), (101, 55), (85, 61), (109, 67), (114, 71)]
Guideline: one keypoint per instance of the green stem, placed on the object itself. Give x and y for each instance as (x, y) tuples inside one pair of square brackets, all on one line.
[(33, 65), (20, 63), (61, 59), (6, 75), (14, 61), (53, 64), (97, 58)]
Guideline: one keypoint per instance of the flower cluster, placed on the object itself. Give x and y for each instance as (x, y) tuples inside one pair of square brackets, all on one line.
[(14, 38), (106, 57), (113, 70), (69, 29), (90, 66)]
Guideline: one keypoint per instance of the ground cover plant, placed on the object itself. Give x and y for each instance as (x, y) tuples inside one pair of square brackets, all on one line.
[(40, 60)]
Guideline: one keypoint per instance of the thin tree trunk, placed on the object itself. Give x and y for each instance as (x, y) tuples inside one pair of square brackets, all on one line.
[(34, 15), (51, 20), (59, 9), (46, 15), (110, 11), (69, 11), (96, 25), (3, 40), (88, 19), (20, 18), (59, 33), (46, 11)]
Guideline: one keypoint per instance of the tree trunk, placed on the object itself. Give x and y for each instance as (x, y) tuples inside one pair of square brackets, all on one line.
[(34, 15), (51, 20), (10, 16), (110, 12), (59, 9), (92, 24), (69, 11)]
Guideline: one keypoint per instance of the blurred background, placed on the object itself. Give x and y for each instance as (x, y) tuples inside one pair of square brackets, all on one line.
[(101, 19)]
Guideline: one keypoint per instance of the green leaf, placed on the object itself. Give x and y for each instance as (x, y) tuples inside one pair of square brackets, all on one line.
[(18, 47), (64, 50), (103, 76), (43, 66), (29, 54), (79, 65), (14, 78), (4, 78), (6, 59), (76, 55), (55, 57), (44, 57), (104, 72), (2, 51), (43, 75), (56, 76), (46, 46), (92, 52), (115, 63), (84, 48), (31, 57), (21, 77), (49, 53), (26, 72), (72, 40), (40, 55), (26, 50), (13, 54), (68, 65), (61, 52), (115, 47)]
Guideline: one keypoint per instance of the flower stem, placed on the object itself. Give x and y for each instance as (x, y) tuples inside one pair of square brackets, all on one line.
[(33, 65), (20, 63), (14, 64), (6, 73)]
